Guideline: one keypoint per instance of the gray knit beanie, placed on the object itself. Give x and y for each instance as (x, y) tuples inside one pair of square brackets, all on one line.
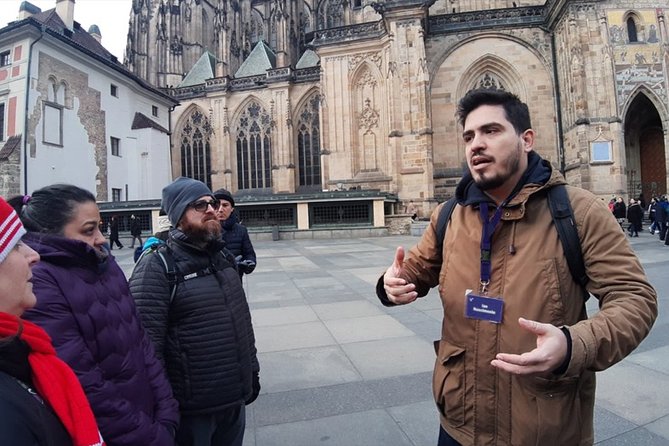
[(179, 194)]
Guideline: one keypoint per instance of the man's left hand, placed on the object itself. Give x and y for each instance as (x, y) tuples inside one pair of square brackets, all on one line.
[(548, 356)]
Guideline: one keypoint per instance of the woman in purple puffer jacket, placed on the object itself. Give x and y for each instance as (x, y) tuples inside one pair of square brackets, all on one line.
[(84, 304)]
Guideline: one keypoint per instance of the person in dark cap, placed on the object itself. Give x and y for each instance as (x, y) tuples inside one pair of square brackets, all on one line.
[(202, 326), (234, 234)]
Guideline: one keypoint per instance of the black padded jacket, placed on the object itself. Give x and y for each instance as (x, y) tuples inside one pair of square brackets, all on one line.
[(204, 335), (25, 420)]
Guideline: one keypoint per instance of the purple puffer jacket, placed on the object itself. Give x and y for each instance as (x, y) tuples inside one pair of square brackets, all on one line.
[(86, 307)]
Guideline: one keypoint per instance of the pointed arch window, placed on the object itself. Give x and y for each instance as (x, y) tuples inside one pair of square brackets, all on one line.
[(254, 149), (631, 30), (308, 144), (196, 149), (330, 14)]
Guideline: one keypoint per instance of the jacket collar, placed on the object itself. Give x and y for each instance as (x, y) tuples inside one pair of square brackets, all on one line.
[(60, 250), (230, 222), (538, 175), (14, 359)]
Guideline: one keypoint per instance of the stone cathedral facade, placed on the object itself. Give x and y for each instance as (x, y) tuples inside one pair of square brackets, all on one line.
[(294, 96)]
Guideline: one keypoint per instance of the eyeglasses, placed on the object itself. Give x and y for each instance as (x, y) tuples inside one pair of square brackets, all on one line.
[(203, 205)]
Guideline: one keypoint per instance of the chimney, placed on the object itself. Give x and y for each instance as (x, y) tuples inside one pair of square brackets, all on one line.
[(94, 31), (65, 10), (27, 9)]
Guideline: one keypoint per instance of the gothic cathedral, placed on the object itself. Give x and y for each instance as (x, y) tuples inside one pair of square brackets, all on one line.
[(293, 96)]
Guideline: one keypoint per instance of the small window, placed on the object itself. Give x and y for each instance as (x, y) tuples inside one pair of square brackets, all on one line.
[(2, 122), (631, 30), (52, 124), (154, 111), (600, 152), (357, 3), (115, 146), (116, 194), (4, 58), (114, 90)]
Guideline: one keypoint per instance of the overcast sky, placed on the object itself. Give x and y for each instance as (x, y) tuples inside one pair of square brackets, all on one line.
[(111, 16)]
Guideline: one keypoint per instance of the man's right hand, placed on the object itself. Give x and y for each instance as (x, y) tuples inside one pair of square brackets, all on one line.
[(398, 290)]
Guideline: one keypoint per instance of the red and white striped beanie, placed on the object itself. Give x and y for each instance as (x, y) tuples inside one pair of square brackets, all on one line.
[(11, 229)]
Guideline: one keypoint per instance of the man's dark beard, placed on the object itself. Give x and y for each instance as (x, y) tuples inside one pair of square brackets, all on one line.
[(499, 180), (490, 183), (202, 234)]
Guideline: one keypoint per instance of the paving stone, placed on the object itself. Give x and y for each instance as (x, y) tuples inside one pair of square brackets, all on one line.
[(305, 368)]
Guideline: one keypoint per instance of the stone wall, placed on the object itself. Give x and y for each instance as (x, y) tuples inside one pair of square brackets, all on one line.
[(399, 224)]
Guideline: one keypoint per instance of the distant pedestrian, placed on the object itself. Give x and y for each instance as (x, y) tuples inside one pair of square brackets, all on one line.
[(234, 234), (412, 210), (620, 211), (651, 215), (635, 217), (135, 230), (661, 215), (113, 233)]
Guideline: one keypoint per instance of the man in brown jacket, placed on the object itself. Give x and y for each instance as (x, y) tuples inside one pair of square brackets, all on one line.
[(518, 354)]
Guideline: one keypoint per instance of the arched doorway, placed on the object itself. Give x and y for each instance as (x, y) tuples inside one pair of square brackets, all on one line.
[(644, 149)]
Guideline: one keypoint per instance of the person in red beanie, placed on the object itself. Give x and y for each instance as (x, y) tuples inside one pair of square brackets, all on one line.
[(42, 401)]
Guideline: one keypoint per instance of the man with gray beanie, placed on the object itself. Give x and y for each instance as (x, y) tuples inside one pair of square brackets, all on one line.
[(193, 306)]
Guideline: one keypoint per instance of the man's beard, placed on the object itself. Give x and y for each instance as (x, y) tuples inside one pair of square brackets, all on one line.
[(499, 178), (202, 233)]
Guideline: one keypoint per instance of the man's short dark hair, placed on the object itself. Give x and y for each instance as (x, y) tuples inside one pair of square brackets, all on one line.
[(516, 111)]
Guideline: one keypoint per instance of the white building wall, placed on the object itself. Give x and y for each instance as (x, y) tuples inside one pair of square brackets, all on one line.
[(73, 163), (76, 161), (13, 83)]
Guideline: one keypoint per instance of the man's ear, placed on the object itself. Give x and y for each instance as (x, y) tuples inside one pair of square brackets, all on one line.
[(528, 140)]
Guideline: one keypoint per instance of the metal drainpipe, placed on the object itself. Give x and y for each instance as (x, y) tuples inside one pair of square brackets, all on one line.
[(25, 116), (558, 105), (169, 129)]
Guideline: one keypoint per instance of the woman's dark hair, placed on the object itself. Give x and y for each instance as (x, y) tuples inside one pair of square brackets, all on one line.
[(516, 111), (50, 208)]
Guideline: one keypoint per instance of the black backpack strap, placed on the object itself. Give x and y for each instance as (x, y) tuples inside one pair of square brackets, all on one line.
[(165, 255), (563, 218), (442, 221)]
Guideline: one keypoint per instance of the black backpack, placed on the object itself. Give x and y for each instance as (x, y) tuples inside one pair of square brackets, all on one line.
[(164, 253), (563, 219), (174, 276)]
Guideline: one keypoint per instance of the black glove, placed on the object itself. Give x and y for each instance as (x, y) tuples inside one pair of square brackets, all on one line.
[(256, 388), (246, 266)]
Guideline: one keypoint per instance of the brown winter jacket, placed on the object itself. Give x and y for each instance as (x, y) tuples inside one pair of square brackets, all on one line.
[(480, 405)]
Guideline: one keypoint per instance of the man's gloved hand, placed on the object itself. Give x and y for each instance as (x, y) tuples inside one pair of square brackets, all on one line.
[(256, 388), (246, 266)]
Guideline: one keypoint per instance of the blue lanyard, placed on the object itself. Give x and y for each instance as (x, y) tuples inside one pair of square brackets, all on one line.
[(489, 227)]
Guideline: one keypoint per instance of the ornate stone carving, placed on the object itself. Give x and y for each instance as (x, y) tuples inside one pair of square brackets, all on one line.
[(356, 60), (226, 122), (349, 33), (486, 19), (176, 46), (366, 79), (368, 118), (490, 82)]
